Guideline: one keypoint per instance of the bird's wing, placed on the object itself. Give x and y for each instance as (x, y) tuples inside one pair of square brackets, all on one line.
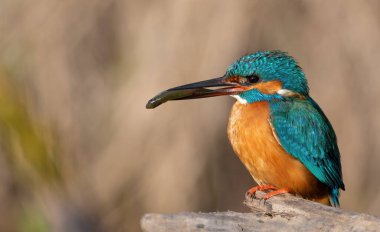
[(304, 132)]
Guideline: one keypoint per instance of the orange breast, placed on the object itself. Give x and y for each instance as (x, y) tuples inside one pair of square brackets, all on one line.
[(253, 140)]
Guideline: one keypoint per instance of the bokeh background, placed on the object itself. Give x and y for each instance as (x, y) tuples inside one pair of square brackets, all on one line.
[(78, 149)]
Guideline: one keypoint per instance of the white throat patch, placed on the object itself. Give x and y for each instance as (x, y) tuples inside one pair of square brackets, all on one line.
[(289, 93), (285, 92), (241, 100)]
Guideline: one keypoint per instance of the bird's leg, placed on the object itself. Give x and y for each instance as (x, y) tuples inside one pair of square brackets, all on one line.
[(252, 191), (274, 193)]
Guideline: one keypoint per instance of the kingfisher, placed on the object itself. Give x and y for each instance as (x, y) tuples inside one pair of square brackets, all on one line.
[(277, 130)]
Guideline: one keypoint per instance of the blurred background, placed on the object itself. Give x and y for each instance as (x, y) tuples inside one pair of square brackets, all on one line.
[(78, 149)]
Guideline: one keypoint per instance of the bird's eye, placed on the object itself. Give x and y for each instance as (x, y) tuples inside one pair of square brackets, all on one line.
[(252, 78)]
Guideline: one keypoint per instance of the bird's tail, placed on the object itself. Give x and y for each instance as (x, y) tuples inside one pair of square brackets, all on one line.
[(334, 197)]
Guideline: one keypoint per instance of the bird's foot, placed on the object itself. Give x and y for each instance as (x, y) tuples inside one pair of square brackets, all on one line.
[(252, 191), (275, 193)]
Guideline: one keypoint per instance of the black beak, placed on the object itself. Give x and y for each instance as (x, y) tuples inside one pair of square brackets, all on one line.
[(196, 90)]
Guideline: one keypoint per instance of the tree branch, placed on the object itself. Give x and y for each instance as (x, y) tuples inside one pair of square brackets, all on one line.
[(285, 212)]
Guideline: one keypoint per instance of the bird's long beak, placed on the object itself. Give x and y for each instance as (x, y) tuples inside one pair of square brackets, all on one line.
[(221, 86)]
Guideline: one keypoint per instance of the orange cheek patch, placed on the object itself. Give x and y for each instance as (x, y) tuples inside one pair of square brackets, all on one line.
[(235, 79), (269, 87)]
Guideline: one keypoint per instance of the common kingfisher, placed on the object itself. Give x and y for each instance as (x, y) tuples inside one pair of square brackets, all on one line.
[(277, 130)]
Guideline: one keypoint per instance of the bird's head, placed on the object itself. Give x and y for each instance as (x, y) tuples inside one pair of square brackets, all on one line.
[(262, 76)]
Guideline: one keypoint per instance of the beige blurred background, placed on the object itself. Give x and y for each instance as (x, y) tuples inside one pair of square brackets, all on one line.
[(79, 151)]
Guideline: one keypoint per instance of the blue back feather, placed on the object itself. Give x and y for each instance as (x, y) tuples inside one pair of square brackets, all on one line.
[(305, 132)]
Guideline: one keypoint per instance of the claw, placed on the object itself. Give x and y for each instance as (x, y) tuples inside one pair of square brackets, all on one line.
[(262, 200), (252, 191), (274, 193)]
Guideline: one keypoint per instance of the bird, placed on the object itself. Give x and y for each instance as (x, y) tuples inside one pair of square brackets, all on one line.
[(277, 130)]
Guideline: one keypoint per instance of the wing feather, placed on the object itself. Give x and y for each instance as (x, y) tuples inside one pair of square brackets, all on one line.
[(305, 132)]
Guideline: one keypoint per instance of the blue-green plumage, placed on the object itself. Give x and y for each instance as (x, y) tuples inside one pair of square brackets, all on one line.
[(269, 66), (305, 132)]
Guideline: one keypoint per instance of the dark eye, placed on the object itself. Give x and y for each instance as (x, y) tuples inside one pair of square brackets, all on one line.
[(252, 78)]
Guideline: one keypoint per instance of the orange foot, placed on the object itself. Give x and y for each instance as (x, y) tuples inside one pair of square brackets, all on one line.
[(252, 191), (274, 193)]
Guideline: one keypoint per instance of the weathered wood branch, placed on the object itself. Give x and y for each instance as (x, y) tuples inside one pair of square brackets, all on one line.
[(280, 213)]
